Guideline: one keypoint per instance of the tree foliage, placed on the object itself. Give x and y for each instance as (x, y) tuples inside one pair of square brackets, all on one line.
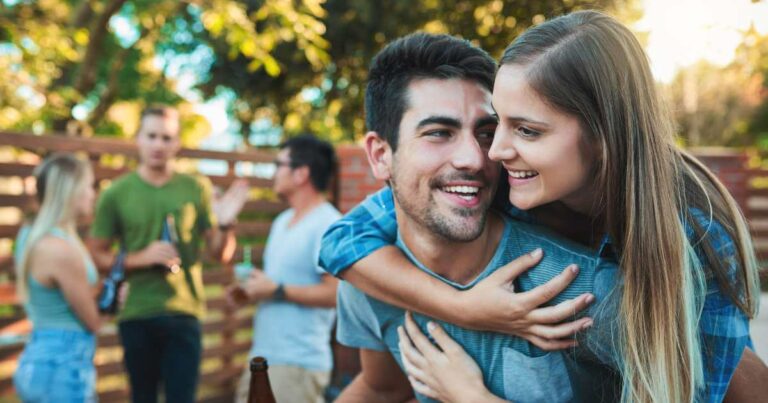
[(297, 64), (326, 96), (718, 106)]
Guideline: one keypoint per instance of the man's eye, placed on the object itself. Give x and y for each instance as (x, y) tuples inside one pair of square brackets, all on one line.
[(438, 133), (167, 139)]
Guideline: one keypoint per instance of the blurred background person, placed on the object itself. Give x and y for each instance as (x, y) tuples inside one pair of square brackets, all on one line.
[(293, 323), (55, 278), (162, 219)]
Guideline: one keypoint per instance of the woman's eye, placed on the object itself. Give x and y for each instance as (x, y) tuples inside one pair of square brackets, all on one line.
[(526, 132)]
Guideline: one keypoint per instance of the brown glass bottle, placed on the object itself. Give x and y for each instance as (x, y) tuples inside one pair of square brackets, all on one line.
[(259, 390)]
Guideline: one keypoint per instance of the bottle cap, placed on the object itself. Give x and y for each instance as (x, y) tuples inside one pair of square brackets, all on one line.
[(259, 364)]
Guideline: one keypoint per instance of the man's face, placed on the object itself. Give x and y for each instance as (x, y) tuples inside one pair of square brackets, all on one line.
[(283, 183), (441, 175), (158, 141)]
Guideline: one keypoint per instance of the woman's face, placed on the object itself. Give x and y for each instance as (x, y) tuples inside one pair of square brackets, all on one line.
[(541, 148), (86, 196)]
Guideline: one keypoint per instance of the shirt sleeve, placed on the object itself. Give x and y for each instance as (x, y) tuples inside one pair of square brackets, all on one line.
[(357, 325), (724, 328), (366, 228), (105, 221)]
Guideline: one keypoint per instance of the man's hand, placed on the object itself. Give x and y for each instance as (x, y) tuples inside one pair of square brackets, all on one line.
[(157, 253), (494, 305), (257, 287), (227, 206)]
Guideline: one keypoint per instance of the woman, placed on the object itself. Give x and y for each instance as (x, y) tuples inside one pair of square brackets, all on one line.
[(590, 153), (54, 278)]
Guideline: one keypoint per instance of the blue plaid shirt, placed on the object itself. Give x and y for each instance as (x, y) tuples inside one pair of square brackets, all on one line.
[(723, 327)]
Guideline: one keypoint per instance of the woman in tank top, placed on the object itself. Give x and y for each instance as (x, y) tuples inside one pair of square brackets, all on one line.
[(55, 280)]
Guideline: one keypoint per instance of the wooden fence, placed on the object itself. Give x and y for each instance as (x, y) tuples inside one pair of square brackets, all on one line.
[(226, 333)]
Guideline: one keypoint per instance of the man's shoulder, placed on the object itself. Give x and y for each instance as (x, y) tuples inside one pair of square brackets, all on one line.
[(364, 307), (127, 183), (526, 237), (195, 181)]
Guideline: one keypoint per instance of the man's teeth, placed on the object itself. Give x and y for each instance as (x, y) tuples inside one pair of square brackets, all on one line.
[(522, 174), (465, 192)]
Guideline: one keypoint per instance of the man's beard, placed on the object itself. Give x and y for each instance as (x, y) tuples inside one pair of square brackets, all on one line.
[(429, 216)]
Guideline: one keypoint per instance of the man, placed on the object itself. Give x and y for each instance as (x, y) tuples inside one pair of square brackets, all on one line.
[(159, 324), (431, 124), (293, 323)]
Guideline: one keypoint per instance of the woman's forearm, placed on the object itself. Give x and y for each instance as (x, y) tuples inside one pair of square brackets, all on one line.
[(389, 276)]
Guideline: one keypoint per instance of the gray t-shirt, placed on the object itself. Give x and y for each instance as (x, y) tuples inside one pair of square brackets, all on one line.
[(512, 368), (284, 332)]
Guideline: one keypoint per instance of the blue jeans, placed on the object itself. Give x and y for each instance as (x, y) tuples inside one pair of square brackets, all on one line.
[(163, 349), (57, 366)]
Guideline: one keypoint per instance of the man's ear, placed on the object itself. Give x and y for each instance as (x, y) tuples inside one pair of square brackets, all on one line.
[(379, 155), (300, 174)]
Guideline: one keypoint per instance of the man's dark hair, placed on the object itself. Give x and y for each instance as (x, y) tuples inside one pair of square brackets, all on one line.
[(417, 56), (163, 111), (316, 154)]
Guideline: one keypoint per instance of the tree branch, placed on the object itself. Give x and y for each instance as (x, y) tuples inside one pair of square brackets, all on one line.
[(87, 76)]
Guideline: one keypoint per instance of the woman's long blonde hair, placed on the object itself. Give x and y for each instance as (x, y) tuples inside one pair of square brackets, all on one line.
[(60, 179), (663, 210)]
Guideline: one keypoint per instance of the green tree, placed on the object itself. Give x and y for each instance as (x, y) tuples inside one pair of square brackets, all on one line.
[(58, 58), (325, 95), (724, 106)]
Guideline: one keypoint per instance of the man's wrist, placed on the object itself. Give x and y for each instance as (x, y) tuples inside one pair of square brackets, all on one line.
[(229, 226), (279, 294)]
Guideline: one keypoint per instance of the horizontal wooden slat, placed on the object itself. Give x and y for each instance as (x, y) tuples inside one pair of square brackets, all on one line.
[(221, 375), (6, 386), (102, 145), (116, 395), (263, 206), (20, 201), (227, 349), (253, 228), (226, 396)]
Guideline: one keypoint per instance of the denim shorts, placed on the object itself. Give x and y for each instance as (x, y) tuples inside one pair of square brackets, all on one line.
[(57, 366)]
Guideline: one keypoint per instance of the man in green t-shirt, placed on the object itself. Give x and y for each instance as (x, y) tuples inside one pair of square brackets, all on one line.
[(160, 322)]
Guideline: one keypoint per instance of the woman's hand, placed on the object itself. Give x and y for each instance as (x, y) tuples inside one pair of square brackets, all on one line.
[(493, 305), (444, 372)]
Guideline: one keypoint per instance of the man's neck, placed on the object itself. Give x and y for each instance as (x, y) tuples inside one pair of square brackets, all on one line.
[(155, 176), (302, 201), (460, 262)]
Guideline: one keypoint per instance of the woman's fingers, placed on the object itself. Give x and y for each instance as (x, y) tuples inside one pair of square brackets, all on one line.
[(561, 331), (413, 361), (510, 271), (561, 311), (445, 342), (420, 387), (550, 345), (550, 289), (421, 342)]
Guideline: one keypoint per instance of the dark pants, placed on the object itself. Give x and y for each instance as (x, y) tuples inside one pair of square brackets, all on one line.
[(165, 348)]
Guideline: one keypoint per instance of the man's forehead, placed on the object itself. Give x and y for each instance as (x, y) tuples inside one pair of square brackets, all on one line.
[(447, 97), (160, 125)]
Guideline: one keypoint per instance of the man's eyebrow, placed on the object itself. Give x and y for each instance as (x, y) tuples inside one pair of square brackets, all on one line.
[(439, 120), (487, 121)]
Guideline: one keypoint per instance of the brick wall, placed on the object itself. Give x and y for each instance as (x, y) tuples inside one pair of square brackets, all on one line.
[(355, 178)]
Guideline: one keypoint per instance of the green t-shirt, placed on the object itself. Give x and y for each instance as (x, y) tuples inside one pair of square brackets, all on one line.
[(132, 211)]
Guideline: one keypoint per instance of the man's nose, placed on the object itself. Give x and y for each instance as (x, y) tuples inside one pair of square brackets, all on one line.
[(469, 155)]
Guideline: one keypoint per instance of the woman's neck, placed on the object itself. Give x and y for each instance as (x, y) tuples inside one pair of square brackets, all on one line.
[(582, 228)]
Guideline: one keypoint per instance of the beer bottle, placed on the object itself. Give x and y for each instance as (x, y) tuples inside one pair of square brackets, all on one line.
[(168, 234), (259, 390)]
